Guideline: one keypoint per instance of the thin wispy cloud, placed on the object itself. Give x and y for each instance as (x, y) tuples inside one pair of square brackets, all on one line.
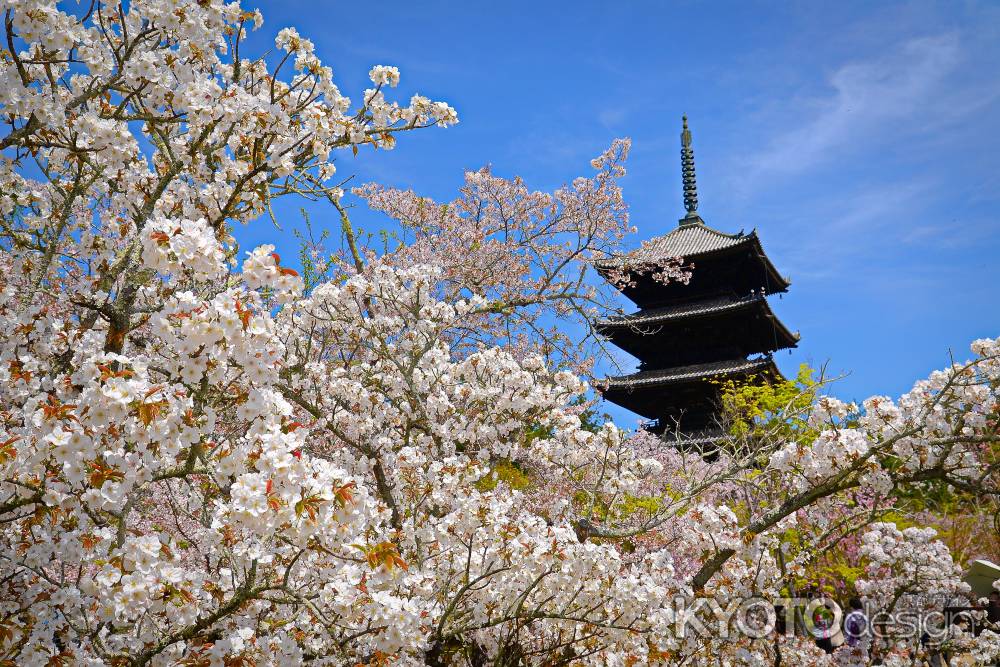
[(816, 162), (909, 84), (853, 229), (613, 118)]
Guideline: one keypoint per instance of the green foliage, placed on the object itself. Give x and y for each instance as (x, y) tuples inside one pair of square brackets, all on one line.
[(933, 496), (318, 267), (755, 408), (312, 275), (624, 508), (632, 504), (512, 473), (833, 571), (537, 432), (508, 472)]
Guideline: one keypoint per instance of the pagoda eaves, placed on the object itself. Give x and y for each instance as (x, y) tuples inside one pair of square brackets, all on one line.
[(689, 337), (725, 326), (720, 263)]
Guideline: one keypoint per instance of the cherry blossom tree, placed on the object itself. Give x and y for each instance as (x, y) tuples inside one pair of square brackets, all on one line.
[(527, 253), (206, 459)]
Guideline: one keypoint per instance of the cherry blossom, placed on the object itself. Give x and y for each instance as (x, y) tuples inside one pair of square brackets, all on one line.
[(208, 458)]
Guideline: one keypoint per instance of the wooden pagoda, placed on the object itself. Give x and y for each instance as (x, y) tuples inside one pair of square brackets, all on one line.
[(687, 337)]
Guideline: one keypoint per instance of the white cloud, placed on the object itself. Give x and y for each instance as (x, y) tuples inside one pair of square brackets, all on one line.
[(852, 230), (612, 118), (885, 94)]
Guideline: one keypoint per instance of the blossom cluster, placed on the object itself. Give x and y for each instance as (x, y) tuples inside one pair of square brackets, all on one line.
[(204, 462), (175, 247)]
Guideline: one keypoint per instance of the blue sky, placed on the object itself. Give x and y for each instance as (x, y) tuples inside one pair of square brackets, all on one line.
[(862, 140)]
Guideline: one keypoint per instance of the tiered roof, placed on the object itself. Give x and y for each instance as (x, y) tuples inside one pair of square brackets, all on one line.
[(688, 337), (716, 370), (689, 240), (694, 241), (722, 304), (724, 325), (721, 263)]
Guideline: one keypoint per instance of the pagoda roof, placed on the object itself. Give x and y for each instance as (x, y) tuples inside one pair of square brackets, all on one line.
[(719, 304), (693, 240), (665, 315), (678, 311), (686, 374), (689, 240)]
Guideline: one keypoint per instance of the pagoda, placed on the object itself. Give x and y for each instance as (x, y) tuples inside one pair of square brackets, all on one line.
[(687, 337)]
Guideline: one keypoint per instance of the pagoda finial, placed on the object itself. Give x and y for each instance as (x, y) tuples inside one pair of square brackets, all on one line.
[(687, 173)]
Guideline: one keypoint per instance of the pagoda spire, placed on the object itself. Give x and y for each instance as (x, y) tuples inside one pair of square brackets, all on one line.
[(687, 174), (690, 336)]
